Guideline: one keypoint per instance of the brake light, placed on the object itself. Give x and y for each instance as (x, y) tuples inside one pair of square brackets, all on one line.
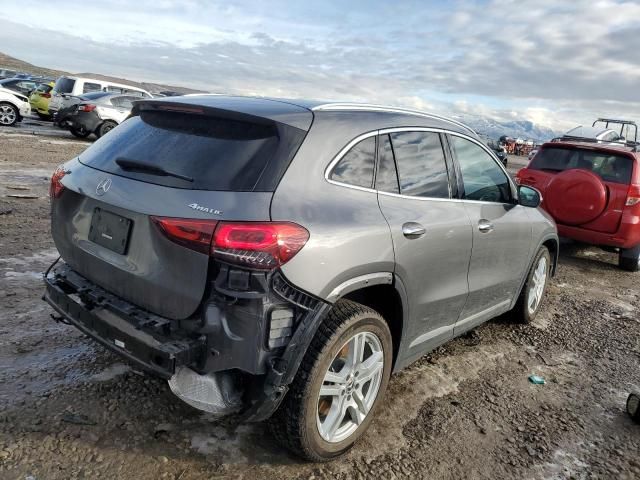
[(263, 245), (633, 196), (45, 95), (193, 234), (86, 108), (56, 187), (259, 245)]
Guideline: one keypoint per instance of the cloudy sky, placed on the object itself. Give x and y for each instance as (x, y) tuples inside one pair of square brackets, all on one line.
[(557, 63)]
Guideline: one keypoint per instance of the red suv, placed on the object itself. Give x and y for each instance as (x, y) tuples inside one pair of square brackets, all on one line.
[(592, 190)]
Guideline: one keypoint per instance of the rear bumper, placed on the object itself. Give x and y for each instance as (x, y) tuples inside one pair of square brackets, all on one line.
[(143, 338), (90, 121), (627, 236), (161, 347)]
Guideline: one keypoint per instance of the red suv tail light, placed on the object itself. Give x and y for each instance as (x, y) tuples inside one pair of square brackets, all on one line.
[(633, 196), (263, 245), (259, 245), (56, 187)]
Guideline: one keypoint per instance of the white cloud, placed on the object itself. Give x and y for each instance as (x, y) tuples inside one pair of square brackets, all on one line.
[(554, 63)]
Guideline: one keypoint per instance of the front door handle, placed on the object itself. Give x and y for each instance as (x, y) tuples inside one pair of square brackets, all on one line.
[(413, 230), (485, 226)]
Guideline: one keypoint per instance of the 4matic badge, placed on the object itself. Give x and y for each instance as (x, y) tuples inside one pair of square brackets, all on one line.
[(200, 208)]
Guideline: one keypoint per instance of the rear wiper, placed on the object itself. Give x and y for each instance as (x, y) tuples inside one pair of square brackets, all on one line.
[(127, 164)]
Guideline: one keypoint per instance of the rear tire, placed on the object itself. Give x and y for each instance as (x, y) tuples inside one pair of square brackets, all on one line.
[(629, 259), (44, 117), (105, 128), (322, 427), (534, 288), (79, 132), (9, 114)]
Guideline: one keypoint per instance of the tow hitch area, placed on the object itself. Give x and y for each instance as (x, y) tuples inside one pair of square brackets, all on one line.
[(143, 338)]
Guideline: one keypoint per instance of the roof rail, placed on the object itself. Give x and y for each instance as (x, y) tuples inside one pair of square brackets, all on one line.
[(572, 138), (615, 121), (383, 108)]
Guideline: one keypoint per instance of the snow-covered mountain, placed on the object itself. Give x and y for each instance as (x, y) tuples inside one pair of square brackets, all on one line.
[(524, 129)]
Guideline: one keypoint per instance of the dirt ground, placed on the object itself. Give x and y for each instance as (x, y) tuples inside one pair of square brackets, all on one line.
[(70, 409)]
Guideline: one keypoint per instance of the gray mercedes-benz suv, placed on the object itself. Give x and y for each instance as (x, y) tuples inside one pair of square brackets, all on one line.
[(281, 259)]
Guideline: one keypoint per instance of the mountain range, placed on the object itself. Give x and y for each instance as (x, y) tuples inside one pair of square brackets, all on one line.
[(524, 129)]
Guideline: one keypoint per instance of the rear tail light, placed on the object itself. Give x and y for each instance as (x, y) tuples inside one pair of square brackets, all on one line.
[(86, 108), (633, 196), (262, 245), (56, 187), (45, 95), (259, 245), (193, 234)]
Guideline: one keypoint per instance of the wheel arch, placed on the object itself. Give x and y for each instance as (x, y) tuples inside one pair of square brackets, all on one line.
[(383, 293)]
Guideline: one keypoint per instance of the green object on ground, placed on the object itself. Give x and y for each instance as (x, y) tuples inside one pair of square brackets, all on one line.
[(535, 379)]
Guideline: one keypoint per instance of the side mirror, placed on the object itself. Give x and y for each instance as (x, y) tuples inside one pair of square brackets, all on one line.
[(529, 197)]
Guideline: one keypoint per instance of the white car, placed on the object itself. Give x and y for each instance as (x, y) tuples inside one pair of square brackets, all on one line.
[(68, 87), (13, 107)]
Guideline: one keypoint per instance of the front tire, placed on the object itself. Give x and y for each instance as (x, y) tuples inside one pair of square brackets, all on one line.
[(339, 386), (9, 114), (534, 289), (629, 259)]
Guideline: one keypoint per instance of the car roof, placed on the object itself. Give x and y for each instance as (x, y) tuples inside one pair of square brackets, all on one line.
[(296, 112)]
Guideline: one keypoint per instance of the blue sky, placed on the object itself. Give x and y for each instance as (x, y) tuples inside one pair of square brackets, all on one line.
[(556, 63)]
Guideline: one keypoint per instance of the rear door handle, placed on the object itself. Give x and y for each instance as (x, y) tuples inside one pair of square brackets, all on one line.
[(485, 226), (413, 230)]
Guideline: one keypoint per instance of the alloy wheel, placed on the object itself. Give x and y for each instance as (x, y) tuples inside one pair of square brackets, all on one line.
[(350, 387), (7, 115), (538, 282)]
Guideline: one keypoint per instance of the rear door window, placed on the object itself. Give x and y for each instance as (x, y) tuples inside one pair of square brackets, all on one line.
[(123, 102), (356, 166), (610, 167), (422, 169), (216, 153), (64, 85)]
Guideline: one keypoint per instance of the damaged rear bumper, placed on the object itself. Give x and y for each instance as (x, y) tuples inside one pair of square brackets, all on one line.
[(202, 355), (143, 338)]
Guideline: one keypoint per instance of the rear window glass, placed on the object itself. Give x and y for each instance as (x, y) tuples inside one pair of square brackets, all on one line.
[(356, 167), (216, 153), (64, 85), (610, 167)]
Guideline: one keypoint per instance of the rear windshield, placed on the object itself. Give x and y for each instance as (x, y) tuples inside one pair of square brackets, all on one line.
[(216, 153), (610, 167), (64, 85)]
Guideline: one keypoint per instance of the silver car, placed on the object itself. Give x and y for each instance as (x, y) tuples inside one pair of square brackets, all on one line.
[(281, 259)]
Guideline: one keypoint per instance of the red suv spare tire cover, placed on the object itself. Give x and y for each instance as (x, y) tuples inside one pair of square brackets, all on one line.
[(575, 196)]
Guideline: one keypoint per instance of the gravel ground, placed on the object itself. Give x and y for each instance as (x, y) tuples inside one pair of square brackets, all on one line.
[(70, 409)]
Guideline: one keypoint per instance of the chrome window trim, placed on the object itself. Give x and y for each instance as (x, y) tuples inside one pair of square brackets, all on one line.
[(384, 131), (382, 108)]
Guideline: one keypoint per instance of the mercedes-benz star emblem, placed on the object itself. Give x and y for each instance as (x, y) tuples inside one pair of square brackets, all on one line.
[(103, 187)]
